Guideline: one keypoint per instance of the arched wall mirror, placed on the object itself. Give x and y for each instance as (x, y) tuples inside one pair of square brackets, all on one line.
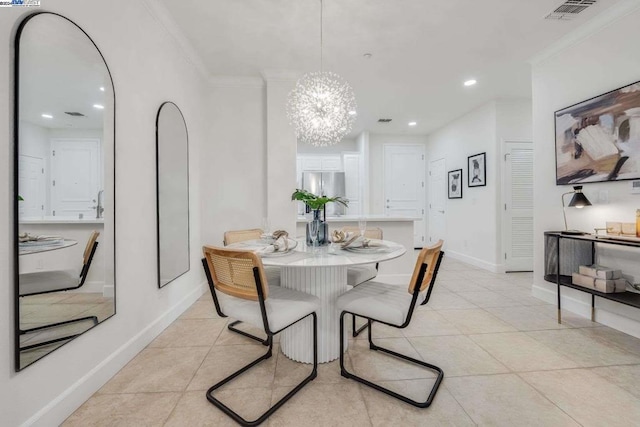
[(172, 168), (64, 167)]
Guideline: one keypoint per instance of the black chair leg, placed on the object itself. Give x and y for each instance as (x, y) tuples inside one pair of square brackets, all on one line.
[(94, 319), (372, 346), (236, 417), (231, 327), (357, 332)]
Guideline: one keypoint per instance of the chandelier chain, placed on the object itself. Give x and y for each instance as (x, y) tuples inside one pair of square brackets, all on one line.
[(322, 105), (321, 40)]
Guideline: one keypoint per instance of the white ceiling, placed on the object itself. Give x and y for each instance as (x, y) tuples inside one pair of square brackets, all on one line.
[(422, 50), (60, 70)]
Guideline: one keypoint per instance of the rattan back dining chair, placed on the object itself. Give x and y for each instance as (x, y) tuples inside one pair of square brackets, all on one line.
[(240, 289), (272, 273), (236, 236), (44, 282), (392, 305), (359, 274)]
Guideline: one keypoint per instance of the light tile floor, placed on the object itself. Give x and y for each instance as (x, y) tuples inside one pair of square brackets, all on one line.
[(506, 360), (46, 309)]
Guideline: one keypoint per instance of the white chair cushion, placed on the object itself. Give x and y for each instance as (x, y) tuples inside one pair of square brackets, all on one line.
[(379, 301), (360, 274), (46, 281), (284, 306), (273, 275)]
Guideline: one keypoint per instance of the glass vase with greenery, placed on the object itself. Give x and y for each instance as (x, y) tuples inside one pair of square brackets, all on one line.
[(317, 205)]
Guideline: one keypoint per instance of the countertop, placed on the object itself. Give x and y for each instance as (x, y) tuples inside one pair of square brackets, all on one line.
[(369, 218), (61, 220)]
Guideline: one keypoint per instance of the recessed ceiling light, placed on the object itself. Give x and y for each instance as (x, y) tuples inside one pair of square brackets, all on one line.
[(101, 88), (98, 106), (412, 123), (367, 55), (352, 113), (470, 82), (47, 116)]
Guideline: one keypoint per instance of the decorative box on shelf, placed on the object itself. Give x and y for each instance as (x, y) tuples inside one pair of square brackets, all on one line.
[(564, 254)]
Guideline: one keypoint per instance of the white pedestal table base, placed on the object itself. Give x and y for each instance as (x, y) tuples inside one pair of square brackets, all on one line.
[(327, 283)]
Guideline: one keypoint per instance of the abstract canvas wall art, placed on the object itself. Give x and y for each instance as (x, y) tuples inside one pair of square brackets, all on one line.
[(599, 139)]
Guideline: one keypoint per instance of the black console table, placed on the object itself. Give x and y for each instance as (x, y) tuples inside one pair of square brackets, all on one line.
[(564, 253)]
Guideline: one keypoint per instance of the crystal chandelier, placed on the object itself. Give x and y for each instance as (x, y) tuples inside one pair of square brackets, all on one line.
[(321, 107)]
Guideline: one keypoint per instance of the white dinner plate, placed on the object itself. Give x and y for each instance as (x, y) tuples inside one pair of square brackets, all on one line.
[(292, 246), (368, 250)]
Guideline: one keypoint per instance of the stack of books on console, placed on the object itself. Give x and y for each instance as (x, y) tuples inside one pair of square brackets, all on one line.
[(600, 278)]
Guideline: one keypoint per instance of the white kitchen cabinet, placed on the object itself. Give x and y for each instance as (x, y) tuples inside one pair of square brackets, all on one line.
[(311, 163), (333, 163), (320, 163)]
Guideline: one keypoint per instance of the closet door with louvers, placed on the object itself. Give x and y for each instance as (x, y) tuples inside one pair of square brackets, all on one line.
[(518, 206)]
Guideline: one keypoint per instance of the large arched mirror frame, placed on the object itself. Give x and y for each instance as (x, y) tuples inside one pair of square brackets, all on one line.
[(172, 194), (107, 175)]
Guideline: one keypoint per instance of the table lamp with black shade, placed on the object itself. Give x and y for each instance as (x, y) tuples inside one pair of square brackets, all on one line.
[(579, 200)]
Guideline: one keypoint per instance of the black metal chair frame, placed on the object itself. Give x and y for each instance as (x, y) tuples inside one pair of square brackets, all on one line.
[(83, 276), (231, 326), (269, 342), (372, 346), (355, 332)]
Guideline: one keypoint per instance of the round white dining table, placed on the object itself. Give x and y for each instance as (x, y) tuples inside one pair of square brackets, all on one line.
[(322, 273), (38, 247)]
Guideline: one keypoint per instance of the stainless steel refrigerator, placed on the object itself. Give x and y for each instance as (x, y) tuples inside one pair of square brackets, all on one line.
[(329, 184)]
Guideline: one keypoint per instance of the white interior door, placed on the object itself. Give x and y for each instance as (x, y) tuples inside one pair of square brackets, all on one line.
[(31, 187), (353, 188), (75, 166), (437, 200), (518, 206), (404, 185)]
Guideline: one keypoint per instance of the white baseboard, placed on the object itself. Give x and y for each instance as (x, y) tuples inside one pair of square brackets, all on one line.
[(59, 409), (494, 268), (109, 291), (607, 313)]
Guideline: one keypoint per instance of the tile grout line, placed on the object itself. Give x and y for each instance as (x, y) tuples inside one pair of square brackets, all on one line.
[(547, 398)]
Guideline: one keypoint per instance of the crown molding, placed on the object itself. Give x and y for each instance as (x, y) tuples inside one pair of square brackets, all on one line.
[(162, 16), (236, 81), (280, 75), (589, 28)]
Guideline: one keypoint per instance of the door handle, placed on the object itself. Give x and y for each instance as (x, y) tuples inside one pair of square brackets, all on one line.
[(441, 211)]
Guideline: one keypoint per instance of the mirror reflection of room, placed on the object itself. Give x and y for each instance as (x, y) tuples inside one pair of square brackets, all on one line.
[(65, 186)]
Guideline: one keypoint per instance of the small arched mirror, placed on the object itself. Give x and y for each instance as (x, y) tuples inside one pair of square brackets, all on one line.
[(172, 157), (64, 186)]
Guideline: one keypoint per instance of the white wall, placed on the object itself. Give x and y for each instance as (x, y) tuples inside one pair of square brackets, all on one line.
[(605, 60), (473, 223), (233, 161), (34, 140), (376, 165), (148, 67)]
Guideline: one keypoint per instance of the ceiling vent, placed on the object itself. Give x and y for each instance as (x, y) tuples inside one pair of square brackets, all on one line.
[(74, 113), (384, 120), (570, 9)]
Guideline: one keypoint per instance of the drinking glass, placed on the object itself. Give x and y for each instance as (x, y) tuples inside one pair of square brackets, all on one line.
[(313, 232), (266, 226), (362, 225)]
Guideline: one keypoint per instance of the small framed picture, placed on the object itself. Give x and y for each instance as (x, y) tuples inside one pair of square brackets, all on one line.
[(477, 172), (455, 184)]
